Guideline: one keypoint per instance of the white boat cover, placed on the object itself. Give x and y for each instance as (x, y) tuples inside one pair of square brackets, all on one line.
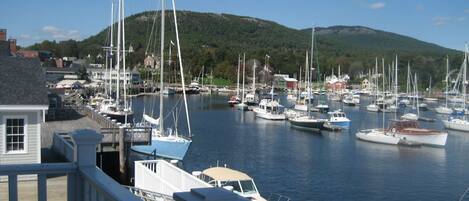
[(151, 120)]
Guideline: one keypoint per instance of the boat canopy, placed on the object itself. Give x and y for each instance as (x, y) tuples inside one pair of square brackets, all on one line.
[(151, 120), (225, 174)]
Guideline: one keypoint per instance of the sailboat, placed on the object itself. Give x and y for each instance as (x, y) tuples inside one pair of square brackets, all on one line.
[(373, 107), (242, 105), (454, 123), (167, 143), (415, 97), (307, 121), (251, 96), (270, 109), (235, 99), (114, 108), (445, 109), (303, 100)]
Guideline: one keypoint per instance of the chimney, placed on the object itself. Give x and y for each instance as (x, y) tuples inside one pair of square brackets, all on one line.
[(12, 46), (3, 34)]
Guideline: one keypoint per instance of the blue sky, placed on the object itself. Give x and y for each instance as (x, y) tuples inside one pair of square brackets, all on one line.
[(438, 21)]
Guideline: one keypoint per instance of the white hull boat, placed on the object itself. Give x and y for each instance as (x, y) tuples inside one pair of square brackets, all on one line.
[(372, 108), (457, 124), (410, 116), (443, 110), (377, 136)]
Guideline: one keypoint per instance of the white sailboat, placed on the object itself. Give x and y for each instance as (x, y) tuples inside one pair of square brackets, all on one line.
[(242, 105), (410, 115), (454, 123), (235, 99), (167, 143), (373, 107), (114, 108), (307, 121), (445, 109)]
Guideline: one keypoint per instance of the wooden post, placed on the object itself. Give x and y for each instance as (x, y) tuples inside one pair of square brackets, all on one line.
[(122, 154)]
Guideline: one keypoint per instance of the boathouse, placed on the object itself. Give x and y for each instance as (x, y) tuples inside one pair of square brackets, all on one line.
[(23, 104)]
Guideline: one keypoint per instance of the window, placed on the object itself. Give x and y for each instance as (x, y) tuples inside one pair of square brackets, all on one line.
[(15, 134)]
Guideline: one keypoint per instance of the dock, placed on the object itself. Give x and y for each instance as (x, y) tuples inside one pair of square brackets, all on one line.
[(117, 138)]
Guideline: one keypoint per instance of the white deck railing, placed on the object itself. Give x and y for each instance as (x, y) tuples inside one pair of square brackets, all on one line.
[(84, 180), (162, 177)]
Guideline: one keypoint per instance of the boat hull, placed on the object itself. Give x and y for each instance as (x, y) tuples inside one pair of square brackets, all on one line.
[(269, 116), (314, 123), (165, 147), (343, 124), (457, 125), (377, 137), (443, 110), (432, 140)]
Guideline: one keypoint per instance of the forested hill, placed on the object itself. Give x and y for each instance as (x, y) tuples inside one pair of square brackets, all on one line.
[(215, 40)]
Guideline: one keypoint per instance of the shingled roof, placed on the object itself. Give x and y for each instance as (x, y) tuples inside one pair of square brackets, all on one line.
[(22, 82)]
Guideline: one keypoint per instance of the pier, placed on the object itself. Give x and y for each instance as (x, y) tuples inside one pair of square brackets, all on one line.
[(117, 138)]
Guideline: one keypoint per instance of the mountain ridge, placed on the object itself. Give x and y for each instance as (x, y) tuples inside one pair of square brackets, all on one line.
[(214, 40)]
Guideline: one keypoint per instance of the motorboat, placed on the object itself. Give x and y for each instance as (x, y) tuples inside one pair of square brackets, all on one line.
[(410, 131), (270, 109), (306, 121), (338, 118), (230, 179)]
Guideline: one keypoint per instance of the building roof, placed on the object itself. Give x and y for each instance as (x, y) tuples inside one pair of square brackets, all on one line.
[(4, 48), (225, 174), (22, 82)]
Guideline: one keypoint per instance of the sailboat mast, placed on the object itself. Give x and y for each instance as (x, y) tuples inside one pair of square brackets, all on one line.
[(161, 126), (308, 92), (384, 111), (111, 48), (118, 52), (311, 59), (254, 78), (447, 72), (244, 71), (464, 80), (416, 89), (182, 70), (123, 61), (396, 88), (376, 78), (237, 82)]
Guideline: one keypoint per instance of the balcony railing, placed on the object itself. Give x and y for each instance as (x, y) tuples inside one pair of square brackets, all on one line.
[(84, 180), (164, 178)]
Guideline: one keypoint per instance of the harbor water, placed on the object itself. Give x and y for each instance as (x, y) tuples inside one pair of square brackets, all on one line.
[(304, 165)]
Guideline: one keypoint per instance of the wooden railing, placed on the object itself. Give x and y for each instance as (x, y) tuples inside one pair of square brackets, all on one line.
[(84, 180)]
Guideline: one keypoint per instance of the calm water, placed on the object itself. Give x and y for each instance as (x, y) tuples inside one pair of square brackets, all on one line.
[(329, 166)]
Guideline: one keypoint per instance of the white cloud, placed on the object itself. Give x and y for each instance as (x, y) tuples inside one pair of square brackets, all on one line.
[(467, 10), (440, 21), (461, 19), (60, 34), (377, 5)]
